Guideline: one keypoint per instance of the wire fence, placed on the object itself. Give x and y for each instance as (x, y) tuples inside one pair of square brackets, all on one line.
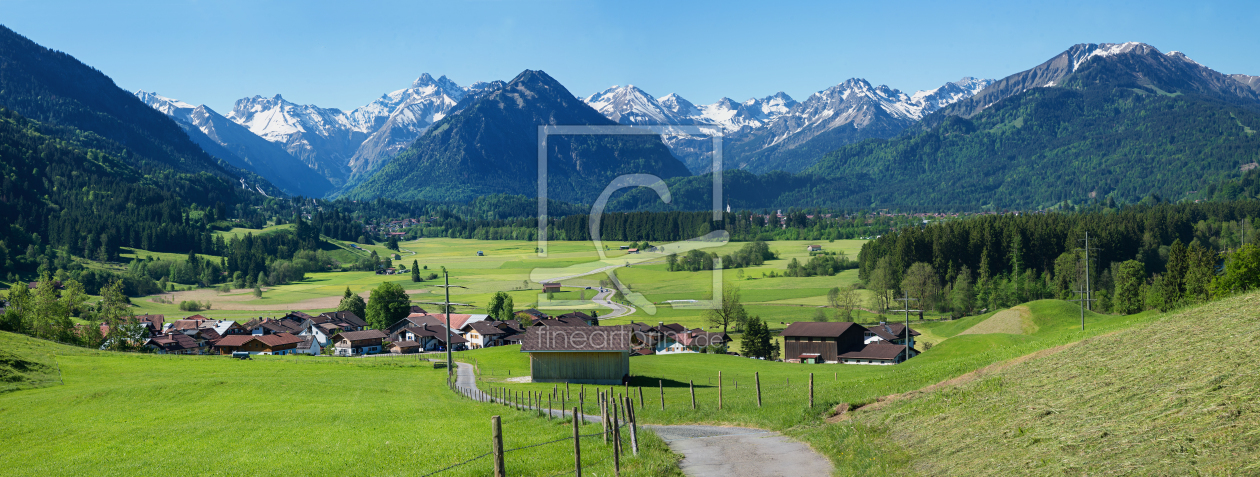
[(611, 419)]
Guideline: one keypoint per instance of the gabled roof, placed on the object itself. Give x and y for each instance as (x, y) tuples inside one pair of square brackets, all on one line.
[(577, 315), (278, 339), (534, 313), (273, 340), (234, 340), (577, 338), (208, 334), (483, 328), (298, 315), (406, 344), (306, 342), (436, 332), (223, 326), (891, 331), (174, 342), (813, 329), (512, 326), (562, 321), (347, 317), (362, 335)]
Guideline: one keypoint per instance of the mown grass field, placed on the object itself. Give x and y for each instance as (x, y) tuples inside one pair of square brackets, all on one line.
[(129, 414), (785, 386), (1173, 395)]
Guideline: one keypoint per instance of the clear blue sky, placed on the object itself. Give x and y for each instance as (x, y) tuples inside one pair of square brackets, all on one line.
[(345, 54)]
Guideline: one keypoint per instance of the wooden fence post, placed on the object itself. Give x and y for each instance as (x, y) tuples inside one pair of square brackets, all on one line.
[(634, 426), (640, 397), (757, 376), (719, 390), (496, 435), (614, 419), (577, 445), (692, 385), (549, 406), (603, 414), (811, 390), (662, 384), (616, 442)]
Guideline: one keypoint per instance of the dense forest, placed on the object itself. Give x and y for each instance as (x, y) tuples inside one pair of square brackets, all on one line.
[(1148, 256)]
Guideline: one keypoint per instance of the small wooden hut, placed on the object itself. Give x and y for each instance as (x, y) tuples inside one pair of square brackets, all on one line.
[(578, 354)]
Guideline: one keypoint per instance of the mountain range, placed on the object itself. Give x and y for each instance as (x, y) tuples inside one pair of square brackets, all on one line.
[(491, 147), (777, 132), (761, 134), (1117, 121)]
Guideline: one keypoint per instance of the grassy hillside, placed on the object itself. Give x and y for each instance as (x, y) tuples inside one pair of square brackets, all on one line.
[(785, 385), (1174, 396), (271, 415)]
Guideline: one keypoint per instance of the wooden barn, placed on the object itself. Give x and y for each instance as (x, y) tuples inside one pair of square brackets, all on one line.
[(821, 342), (578, 354)]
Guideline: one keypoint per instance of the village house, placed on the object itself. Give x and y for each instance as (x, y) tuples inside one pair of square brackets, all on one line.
[(430, 337), (877, 353), (352, 343), (345, 320), (579, 354), (274, 344), (892, 333), (174, 343), (309, 345), (227, 327), (482, 334), (813, 248), (843, 342), (821, 342), (698, 339)]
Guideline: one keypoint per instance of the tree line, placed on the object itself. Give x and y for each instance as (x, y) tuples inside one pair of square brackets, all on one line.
[(1143, 257)]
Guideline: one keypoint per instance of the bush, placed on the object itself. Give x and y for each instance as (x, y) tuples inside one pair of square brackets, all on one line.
[(192, 305)]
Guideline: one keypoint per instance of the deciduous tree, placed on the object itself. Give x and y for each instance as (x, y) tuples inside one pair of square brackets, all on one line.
[(352, 303), (388, 304), (731, 313)]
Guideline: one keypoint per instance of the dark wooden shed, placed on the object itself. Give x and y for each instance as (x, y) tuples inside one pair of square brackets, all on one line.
[(821, 341)]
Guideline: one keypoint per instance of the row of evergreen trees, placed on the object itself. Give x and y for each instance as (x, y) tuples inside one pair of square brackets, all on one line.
[(1150, 257)]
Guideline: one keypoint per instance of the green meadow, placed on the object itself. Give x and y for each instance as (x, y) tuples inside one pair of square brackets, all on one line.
[(1173, 394), (785, 386), (129, 414)]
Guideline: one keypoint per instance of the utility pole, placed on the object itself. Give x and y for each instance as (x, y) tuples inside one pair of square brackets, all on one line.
[(446, 308), (906, 298), (1089, 293), (1083, 300)]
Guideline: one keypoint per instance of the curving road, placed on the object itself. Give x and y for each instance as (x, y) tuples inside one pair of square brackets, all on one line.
[(713, 451), (604, 299)]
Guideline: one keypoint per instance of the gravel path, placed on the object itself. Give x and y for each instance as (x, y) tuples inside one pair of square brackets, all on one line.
[(713, 451)]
